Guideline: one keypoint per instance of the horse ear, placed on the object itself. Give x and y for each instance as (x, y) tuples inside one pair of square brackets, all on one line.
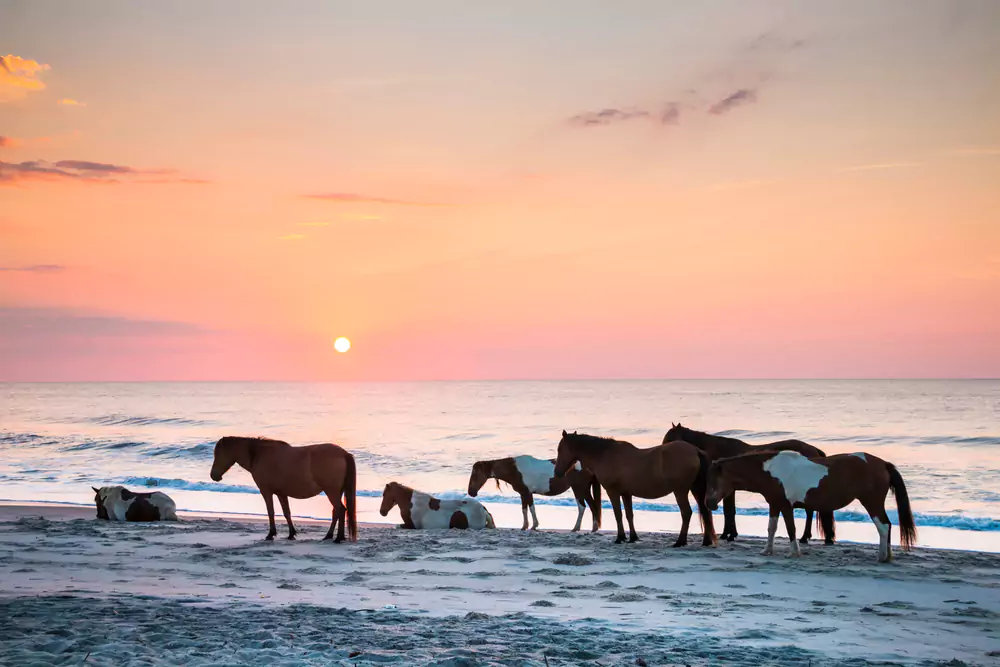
[(673, 425), (96, 490), (565, 433)]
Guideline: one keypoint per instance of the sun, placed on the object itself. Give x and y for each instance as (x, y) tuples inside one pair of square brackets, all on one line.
[(342, 345)]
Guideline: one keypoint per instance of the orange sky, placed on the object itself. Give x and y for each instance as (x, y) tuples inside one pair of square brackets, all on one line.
[(469, 191)]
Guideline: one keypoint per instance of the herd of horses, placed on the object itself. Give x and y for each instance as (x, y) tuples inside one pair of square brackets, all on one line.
[(788, 474)]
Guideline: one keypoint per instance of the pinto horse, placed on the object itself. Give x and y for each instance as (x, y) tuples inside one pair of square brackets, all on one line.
[(787, 480), (528, 475), (719, 447), (295, 472), (421, 510), (624, 471)]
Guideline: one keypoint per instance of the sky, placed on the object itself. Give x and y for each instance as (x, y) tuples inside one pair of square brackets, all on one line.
[(516, 190)]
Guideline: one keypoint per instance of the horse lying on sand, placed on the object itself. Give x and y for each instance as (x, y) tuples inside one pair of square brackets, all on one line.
[(719, 447), (788, 479), (420, 510), (528, 475), (116, 503), (281, 470), (624, 471)]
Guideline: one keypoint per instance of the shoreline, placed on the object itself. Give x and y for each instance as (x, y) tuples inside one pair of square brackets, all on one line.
[(694, 604)]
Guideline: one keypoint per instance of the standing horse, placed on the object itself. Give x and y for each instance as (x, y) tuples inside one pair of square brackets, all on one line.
[(624, 471), (788, 479), (528, 475), (719, 447), (281, 470)]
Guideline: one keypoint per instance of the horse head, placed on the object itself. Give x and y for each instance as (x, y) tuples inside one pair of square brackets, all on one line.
[(676, 432), (102, 512), (389, 498), (566, 456), (227, 451), (719, 484), (481, 472)]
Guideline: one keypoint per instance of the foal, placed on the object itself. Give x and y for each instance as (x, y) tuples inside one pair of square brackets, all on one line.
[(788, 479), (528, 475), (295, 472), (625, 471), (719, 447)]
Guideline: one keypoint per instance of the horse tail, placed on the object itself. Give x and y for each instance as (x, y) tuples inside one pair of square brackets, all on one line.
[(700, 490), (907, 529), (597, 508), (489, 519), (350, 497), (827, 525)]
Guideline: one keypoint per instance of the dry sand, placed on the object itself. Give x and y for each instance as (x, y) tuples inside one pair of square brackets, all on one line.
[(210, 591)]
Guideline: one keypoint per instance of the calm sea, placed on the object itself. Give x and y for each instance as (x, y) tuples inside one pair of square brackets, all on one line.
[(58, 440)]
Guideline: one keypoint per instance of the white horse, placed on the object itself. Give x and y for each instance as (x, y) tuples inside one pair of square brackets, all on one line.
[(420, 510)]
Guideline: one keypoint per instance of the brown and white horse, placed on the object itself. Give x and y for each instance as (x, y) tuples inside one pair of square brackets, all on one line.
[(295, 472), (788, 479), (720, 447), (624, 471), (116, 503), (420, 510), (528, 475)]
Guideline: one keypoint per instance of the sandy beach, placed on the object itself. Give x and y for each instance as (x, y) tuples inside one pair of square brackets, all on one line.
[(210, 591)]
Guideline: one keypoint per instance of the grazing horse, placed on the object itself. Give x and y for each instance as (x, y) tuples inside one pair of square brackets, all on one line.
[(295, 472), (719, 447), (116, 503), (528, 475), (420, 510), (624, 471), (787, 479)]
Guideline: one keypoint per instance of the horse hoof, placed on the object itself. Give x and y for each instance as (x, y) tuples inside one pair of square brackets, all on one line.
[(729, 538), (679, 543), (767, 552), (633, 540), (327, 537), (269, 538), (338, 540), (291, 537), (804, 540), (828, 543), (620, 540)]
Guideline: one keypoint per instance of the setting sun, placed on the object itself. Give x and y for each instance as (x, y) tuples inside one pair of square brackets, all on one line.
[(342, 345)]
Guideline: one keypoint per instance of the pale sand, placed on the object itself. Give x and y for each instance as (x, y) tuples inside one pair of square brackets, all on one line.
[(76, 591)]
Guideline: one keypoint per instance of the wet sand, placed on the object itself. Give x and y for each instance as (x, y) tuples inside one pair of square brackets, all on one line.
[(210, 591)]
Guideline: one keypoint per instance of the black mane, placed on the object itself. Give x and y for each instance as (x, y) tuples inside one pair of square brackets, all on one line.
[(593, 444)]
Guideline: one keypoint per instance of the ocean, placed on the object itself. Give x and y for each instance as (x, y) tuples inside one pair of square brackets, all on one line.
[(58, 440)]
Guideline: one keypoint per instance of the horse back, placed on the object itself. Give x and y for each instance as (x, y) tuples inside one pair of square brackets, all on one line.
[(803, 448)]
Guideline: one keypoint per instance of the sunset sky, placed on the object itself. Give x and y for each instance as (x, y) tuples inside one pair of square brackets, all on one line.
[(217, 191)]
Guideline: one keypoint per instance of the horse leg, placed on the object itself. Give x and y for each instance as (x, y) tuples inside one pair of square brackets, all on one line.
[(807, 533), (684, 505), (581, 506), (269, 503), (632, 535), (338, 514), (534, 517), (772, 528), (288, 516), (525, 501), (789, 514), (616, 505), (876, 510), (729, 512)]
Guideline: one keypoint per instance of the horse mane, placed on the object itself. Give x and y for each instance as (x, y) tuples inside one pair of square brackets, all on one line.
[(253, 439), (592, 444), (685, 431)]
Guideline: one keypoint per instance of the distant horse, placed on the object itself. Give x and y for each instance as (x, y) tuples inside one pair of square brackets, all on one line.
[(625, 471), (420, 510), (116, 503), (528, 475), (719, 447), (295, 472), (788, 479)]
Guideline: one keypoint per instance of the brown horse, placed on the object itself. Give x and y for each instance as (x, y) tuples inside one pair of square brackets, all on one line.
[(624, 471), (719, 447), (788, 479), (295, 472), (528, 475)]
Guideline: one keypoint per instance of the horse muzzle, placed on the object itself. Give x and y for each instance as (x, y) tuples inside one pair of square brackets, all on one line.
[(216, 477)]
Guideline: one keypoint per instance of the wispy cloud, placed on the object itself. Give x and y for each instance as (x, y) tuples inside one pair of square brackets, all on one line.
[(314, 224), (64, 323), (35, 268), (84, 171), (352, 198), (730, 102), (19, 76), (69, 102), (882, 165), (9, 142), (292, 237)]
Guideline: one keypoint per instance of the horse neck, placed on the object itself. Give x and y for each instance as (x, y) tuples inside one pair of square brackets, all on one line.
[(717, 446), (592, 457), (244, 457), (748, 474), (503, 470)]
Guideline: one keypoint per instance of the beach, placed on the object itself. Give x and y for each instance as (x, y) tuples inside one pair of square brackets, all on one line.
[(208, 590)]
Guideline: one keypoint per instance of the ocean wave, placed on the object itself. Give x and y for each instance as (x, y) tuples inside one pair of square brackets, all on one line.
[(185, 485), (105, 444), (25, 439), (127, 420), (754, 435)]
